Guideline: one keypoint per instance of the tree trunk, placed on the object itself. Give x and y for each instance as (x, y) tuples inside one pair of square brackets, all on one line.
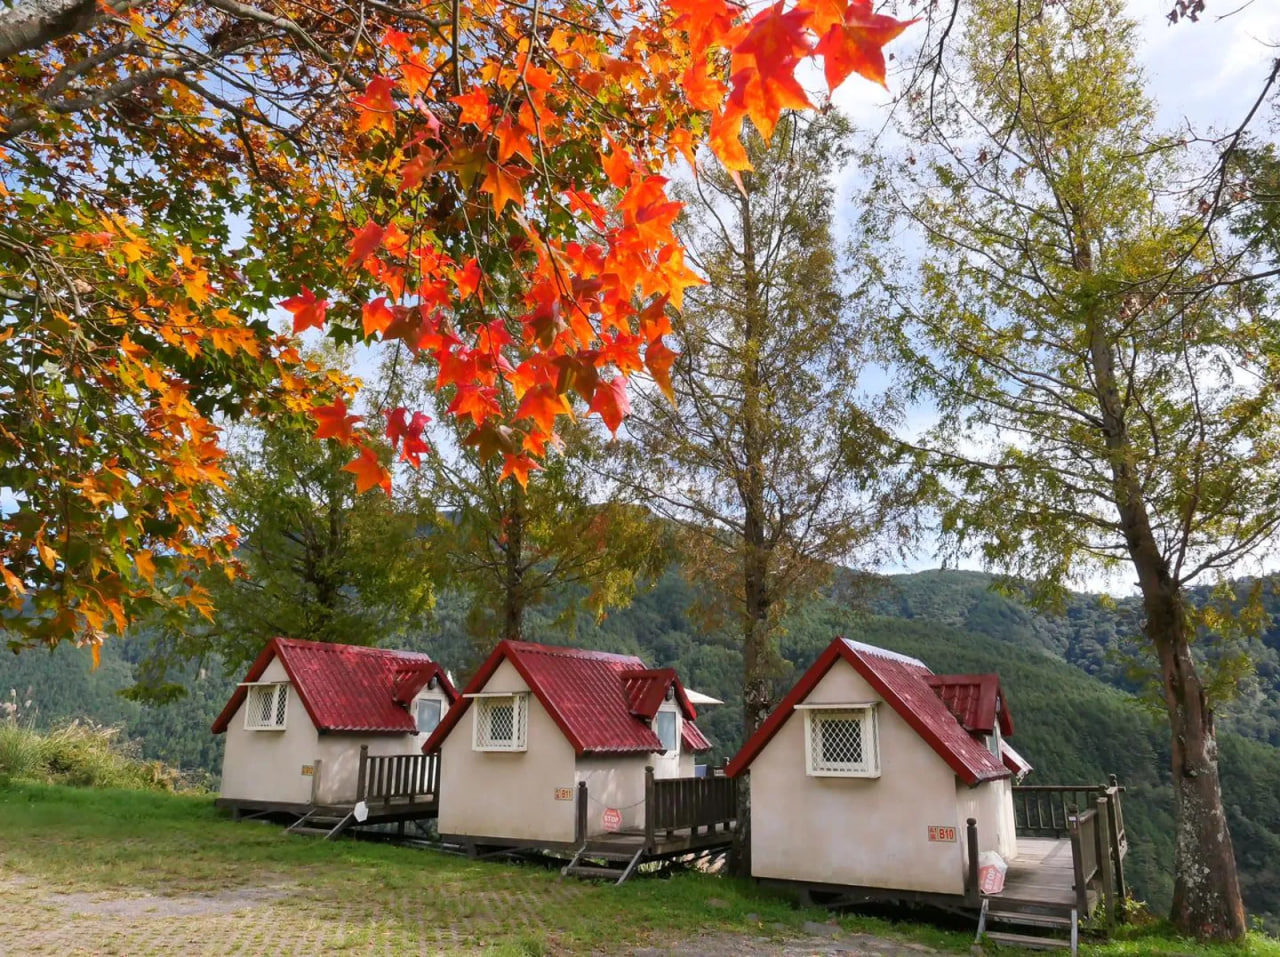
[(1206, 886), (757, 650), (513, 596)]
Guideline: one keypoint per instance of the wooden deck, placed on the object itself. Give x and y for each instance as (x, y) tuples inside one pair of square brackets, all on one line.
[(680, 840), (1042, 875)]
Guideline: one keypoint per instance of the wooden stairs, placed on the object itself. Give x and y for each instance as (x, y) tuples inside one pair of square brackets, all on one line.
[(1029, 916), (315, 823), (599, 864)]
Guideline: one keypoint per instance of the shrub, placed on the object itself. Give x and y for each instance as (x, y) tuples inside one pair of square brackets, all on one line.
[(81, 754)]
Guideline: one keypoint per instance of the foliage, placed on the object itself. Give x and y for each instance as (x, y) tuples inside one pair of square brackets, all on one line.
[(317, 560), (764, 456), (372, 168), (511, 547)]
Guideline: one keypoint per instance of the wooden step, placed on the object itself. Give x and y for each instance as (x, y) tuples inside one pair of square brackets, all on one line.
[(1007, 916), (1026, 940), (610, 855), (312, 830), (591, 872)]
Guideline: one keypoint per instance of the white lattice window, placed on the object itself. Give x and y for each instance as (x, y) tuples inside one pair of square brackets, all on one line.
[(842, 742), (501, 722), (266, 706)]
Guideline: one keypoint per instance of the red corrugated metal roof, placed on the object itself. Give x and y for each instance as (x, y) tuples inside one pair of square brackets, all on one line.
[(901, 682), (347, 687), (692, 739), (975, 700), (1015, 762), (599, 700)]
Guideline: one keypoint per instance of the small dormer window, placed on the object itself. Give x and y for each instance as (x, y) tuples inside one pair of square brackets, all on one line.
[(666, 726), (266, 706), (501, 722), (428, 716)]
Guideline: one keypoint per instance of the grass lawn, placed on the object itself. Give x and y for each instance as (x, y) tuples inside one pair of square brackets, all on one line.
[(114, 871)]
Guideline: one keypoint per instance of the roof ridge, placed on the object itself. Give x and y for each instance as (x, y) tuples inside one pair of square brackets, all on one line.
[(877, 651), (337, 646), (571, 652)]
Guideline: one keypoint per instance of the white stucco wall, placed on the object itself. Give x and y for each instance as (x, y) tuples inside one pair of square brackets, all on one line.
[(508, 794), (267, 765), (870, 832), (991, 805)]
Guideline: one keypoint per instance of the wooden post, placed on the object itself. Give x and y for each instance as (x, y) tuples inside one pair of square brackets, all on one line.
[(360, 775), (972, 890), (1077, 864), (649, 809), (1116, 820), (315, 782), (580, 820), (1102, 841)]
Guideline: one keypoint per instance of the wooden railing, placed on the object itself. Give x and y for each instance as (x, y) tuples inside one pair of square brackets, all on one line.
[(696, 803), (388, 777), (1093, 819), (1040, 811)]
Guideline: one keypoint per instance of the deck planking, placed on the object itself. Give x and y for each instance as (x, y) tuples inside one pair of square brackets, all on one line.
[(1041, 874)]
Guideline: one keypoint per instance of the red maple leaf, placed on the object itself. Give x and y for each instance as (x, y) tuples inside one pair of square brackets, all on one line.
[(855, 45), (333, 422), (365, 241), (478, 401), (369, 472), (611, 402), (658, 359), (308, 311), (476, 107)]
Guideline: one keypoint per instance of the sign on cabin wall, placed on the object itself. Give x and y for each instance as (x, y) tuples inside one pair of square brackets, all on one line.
[(564, 794), (308, 770), (611, 819), (940, 832)]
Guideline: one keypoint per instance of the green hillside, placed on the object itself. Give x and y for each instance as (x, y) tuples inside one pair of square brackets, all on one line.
[(1064, 676)]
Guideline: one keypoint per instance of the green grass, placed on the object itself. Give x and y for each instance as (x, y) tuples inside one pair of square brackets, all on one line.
[(355, 897), (81, 754)]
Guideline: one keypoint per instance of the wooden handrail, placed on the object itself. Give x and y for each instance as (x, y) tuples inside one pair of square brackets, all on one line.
[(673, 803), (386, 777)]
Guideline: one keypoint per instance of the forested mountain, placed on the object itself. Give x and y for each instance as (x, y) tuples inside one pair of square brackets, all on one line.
[(1067, 676)]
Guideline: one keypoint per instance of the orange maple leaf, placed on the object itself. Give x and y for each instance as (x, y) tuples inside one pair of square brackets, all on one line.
[(333, 422), (855, 45), (377, 316), (375, 107), (476, 108), (542, 404), (308, 311), (369, 472), (366, 240), (519, 466), (503, 183), (468, 280), (478, 401), (658, 359)]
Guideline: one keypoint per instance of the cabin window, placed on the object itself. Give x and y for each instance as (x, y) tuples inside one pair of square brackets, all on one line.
[(266, 707), (428, 714), (501, 722), (666, 725), (842, 742)]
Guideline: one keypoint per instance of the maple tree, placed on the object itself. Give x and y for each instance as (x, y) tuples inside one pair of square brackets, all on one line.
[(377, 169)]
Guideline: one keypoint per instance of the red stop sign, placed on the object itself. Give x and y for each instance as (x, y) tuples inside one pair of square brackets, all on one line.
[(611, 819)]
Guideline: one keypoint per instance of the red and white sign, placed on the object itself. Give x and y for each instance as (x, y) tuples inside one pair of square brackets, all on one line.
[(611, 819), (991, 879), (940, 832)]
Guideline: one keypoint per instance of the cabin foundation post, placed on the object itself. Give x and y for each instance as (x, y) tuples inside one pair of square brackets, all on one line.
[(972, 890), (580, 817), (649, 841)]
